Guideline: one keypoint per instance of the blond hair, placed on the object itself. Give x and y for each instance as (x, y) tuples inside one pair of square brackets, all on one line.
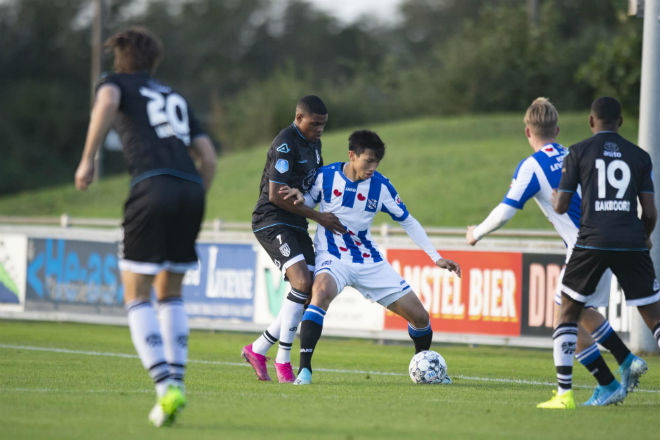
[(541, 117)]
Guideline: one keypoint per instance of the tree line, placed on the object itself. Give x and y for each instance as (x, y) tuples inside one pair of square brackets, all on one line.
[(243, 63)]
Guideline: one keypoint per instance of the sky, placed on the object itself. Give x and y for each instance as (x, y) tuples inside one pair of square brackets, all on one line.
[(349, 10)]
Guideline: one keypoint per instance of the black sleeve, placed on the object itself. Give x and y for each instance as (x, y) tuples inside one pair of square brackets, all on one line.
[(196, 128), (569, 174), (281, 166)]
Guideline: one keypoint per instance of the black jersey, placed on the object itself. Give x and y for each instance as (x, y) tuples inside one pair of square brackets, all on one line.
[(612, 172), (292, 160), (156, 126)]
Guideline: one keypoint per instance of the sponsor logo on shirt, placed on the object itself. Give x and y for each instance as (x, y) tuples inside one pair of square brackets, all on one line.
[(397, 199), (284, 148), (610, 149), (282, 166), (349, 189)]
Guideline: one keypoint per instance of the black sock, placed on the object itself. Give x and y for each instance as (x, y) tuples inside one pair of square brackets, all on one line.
[(422, 337), (310, 333), (592, 360), (608, 338), (600, 371)]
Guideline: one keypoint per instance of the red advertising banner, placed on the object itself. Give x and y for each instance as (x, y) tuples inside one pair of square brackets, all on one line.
[(486, 300)]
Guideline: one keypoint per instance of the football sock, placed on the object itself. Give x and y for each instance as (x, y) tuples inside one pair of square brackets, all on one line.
[(422, 337), (594, 362), (656, 333), (310, 333), (268, 338), (174, 328), (564, 341), (608, 338), (145, 333), (290, 314)]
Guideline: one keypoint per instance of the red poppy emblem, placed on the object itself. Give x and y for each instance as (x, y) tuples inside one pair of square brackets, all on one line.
[(343, 249), (361, 197), (337, 192)]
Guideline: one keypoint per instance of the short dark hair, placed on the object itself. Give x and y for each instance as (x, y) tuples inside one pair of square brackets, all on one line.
[(362, 140), (606, 109), (312, 104), (136, 49)]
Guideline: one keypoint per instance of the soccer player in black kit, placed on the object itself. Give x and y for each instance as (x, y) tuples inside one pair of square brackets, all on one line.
[(172, 163), (613, 174), (281, 228)]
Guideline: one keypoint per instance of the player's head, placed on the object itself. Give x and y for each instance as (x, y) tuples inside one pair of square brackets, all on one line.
[(605, 114), (135, 49), (541, 119), (365, 151), (311, 117)]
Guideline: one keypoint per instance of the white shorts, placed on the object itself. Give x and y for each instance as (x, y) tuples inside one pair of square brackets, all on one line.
[(600, 297), (377, 282)]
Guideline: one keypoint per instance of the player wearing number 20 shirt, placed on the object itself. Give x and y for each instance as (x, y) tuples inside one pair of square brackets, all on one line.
[(612, 173), (156, 127)]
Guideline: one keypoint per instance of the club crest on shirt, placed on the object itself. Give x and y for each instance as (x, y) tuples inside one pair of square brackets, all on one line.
[(285, 250), (284, 148), (372, 203), (282, 165)]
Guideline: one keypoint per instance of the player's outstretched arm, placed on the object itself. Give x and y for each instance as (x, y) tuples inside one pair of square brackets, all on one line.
[(103, 116), (450, 265), (497, 218), (327, 219), (292, 193)]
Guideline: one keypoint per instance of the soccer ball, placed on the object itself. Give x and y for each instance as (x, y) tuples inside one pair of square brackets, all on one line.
[(427, 367)]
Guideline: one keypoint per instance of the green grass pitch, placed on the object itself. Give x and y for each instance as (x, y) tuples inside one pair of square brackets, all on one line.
[(76, 381)]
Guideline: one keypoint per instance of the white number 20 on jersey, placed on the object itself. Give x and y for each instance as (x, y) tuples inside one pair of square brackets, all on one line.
[(609, 173), (168, 115)]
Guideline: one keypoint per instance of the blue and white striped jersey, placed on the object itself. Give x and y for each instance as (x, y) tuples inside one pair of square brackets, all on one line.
[(355, 204), (536, 176)]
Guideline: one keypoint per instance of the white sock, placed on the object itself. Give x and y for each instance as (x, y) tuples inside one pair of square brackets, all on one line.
[(564, 343), (291, 314), (146, 336), (175, 331), (268, 338)]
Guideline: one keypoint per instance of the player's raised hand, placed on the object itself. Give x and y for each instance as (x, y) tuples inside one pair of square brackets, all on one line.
[(469, 235), (84, 174), (450, 265), (330, 221), (287, 192)]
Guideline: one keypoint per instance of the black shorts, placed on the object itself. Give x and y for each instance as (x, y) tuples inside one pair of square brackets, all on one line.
[(162, 218), (633, 269), (286, 246)]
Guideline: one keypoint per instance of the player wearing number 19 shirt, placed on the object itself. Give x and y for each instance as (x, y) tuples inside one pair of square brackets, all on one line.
[(164, 210), (613, 174), (537, 176)]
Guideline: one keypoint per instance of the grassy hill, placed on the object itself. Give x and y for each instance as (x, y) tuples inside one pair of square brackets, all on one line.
[(448, 171)]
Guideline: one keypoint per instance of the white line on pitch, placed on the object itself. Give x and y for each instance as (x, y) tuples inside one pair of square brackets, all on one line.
[(328, 370)]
